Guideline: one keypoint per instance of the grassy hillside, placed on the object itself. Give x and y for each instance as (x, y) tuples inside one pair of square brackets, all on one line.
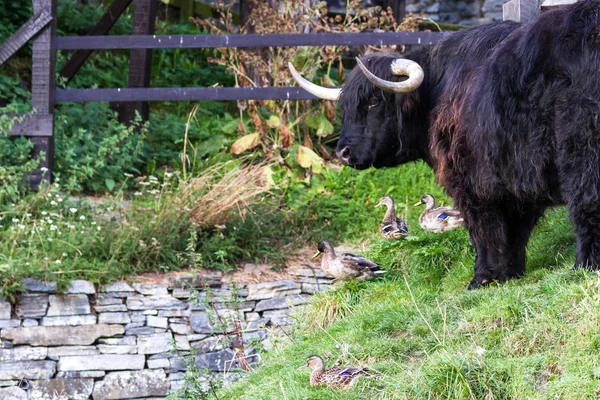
[(537, 337)]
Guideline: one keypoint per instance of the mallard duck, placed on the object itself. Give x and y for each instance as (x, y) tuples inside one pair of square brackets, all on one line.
[(346, 266), (438, 219), (336, 377), (391, 227)]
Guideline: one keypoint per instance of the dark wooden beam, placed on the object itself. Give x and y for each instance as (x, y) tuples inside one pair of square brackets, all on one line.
[(398, 8), (175, 94), (116, 9), (140, 60), (247, 40), (28, 30), (33, 126), (43, 92)]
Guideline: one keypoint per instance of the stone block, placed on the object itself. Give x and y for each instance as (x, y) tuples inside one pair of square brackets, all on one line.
[(5, 310), (211, 344), (174, 313), (104, 300), (132, 384), (180, 293), (141, 331), (157, 322), (30, 322), (150, 312), (160, 363), (9, 323), (151, 290), (312, 288), (182, 342), (117, 287), (108, 349), (277, 303), (32, 305), (35, 285), (139, 316), (102, 362), (122, 341), (219, 361), (72, 351), (181, 329), (23, 353), (267, 290), (71, 320), (79, 374), (200, 322), (59, 335), (279, 317), (114, 318), (111, 308), (310, 273), (70, 304), (156, 343), (27, 369), (81, 287), (155, 303), (12, 393), (65, 388)]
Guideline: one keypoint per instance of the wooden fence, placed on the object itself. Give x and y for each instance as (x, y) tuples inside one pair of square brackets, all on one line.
[(39, 125)]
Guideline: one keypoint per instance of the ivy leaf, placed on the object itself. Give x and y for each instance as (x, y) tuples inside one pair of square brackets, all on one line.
[(308, 158), (273, 121), (321, 124), (110, 184), (244, 143), (230, 127)]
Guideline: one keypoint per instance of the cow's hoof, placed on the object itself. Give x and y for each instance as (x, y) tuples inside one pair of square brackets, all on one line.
[(478, 283)]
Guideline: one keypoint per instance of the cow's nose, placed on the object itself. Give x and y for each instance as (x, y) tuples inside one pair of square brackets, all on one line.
[(344, 155)]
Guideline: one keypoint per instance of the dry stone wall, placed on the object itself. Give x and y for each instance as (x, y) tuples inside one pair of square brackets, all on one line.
[(126, 341)]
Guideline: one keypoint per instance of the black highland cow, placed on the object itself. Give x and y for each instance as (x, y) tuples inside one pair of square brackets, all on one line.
[(508, 117)]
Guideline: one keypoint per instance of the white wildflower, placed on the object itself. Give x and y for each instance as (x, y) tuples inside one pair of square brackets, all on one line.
[(44, 169), (64, 254), (93, 222), (98, 228), (137, 194), (128, 175), (44, 213), (142, 244), (15, 220), (58, 261), (168, 174), (73, 210), (53, 203), (29, 214), (479, 350), (49, 239), (21, 226), (27, 263), (53, 227), (82, 217)]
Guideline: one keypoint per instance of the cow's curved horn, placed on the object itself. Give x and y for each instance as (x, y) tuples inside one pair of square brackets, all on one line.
[(319, 91), (400, 66)]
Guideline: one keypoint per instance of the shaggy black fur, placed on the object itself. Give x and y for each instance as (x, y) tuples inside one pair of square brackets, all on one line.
[(508, 118)]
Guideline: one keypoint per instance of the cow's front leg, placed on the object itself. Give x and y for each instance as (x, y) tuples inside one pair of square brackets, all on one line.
[(488, 230), (587, 229)]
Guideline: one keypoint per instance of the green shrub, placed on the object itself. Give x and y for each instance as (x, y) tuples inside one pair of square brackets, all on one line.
[(93, 149)]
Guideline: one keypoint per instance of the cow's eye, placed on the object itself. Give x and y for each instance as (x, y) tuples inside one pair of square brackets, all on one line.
[(373, 102)]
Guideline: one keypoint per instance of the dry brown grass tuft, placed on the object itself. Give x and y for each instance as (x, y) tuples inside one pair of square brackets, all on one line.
[(223, 190)]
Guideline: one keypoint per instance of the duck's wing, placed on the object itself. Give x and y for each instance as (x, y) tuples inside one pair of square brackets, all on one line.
[(348, 371), (396, 226), (358, 263)]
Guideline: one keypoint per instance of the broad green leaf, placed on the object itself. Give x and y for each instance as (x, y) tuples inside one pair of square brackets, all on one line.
[(273, 121), (244, 143), (231, 126), (308, 158), (110, 184), (321, 124)]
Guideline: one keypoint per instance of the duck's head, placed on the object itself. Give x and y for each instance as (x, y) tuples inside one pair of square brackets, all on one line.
[(385, 201), (323, 247), (315, 362), (428, 200)]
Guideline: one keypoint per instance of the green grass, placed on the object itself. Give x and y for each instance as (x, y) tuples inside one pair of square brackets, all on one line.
[(532, 338)]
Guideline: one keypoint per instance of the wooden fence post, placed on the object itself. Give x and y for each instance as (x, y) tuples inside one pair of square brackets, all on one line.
[(140, 60), (42, 93)]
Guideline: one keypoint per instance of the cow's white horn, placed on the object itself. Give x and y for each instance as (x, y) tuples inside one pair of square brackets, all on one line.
[(319, 91), (400, 66)]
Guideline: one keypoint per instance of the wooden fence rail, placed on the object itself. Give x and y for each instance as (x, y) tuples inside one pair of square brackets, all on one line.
[(39, 125)]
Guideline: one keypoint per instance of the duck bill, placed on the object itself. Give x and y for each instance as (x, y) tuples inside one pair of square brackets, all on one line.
[(317, 254), (379, 204), (304, 365), (417, 204)]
